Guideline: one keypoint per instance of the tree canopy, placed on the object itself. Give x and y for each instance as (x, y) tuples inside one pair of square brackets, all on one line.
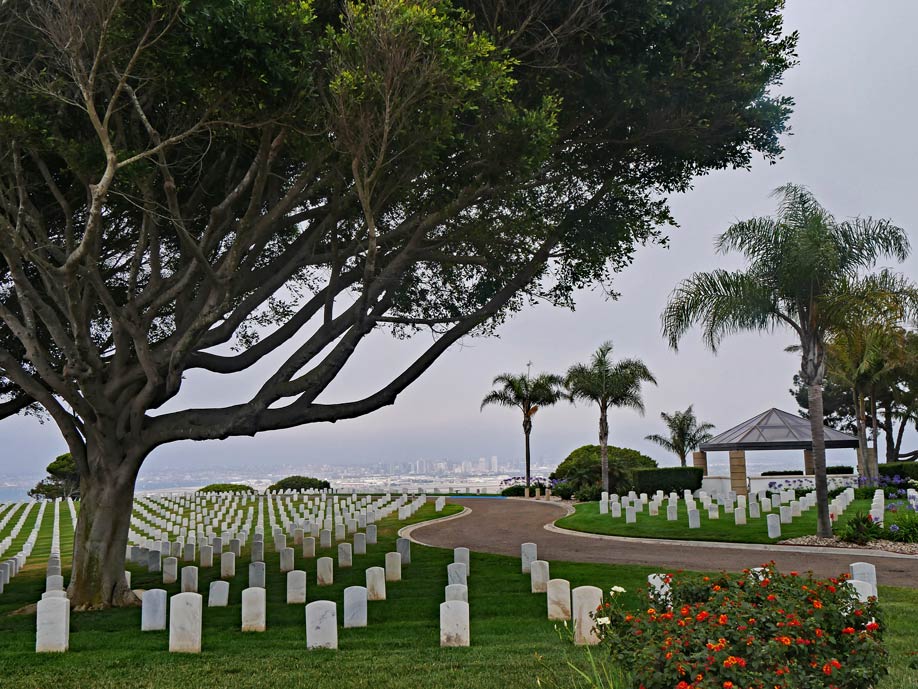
[(194, 189), (300, 483), (63, 480)]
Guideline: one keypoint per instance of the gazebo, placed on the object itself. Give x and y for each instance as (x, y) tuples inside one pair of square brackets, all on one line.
[(771, 430)]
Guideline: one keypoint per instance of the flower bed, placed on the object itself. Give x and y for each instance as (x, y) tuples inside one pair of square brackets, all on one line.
[(756, 630)]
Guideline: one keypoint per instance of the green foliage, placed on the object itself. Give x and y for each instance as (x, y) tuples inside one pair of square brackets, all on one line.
[(903, 469), (860, 529), (668, 479), (582, 467), (785, 472), (226, 488), (63, 480), (590, 492), (564, 489), (685, 433), (754, 629), (300, 483), (903, 525), (519, 490)]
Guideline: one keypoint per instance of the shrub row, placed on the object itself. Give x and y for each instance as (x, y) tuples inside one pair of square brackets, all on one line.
[(226, 488), (667, 479), (904, 469), (836, 469)]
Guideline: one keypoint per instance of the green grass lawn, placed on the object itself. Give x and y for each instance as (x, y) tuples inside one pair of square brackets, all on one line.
[(588, 519), (512, 641)]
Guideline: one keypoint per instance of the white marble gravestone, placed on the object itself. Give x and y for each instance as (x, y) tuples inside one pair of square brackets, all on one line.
[(454, 624), (355, 607), (185, 623), (559, 599), (321, 625), (585, 601)]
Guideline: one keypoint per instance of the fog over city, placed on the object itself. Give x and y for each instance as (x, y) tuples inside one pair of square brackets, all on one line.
[(853, 144)]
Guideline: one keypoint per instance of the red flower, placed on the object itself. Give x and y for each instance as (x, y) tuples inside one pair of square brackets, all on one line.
[(827, 669), (872, 626), (846, 630), (722, 619)]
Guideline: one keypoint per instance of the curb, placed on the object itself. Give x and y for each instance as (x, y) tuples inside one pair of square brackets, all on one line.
[(406, 531)]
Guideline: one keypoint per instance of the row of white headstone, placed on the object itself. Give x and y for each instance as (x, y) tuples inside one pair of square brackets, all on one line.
[(11, 567), (788, 506)]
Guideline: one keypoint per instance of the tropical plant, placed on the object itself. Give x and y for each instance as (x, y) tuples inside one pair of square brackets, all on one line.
[(608, 384), (528, 395), (685, 433), (804, 272)]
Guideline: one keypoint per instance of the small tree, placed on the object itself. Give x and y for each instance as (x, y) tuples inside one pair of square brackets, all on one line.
[(300, 483), (685, 433), (528, 395), (608, 384), (63, 480)]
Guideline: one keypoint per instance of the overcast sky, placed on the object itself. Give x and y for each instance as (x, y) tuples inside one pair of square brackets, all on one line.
[(853, 144)]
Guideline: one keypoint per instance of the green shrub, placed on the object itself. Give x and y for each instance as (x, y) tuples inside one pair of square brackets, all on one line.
[(904, 528), (519, 490), (583, 467), (783, 472), (904, 469), (300, 483), (860, 529), (588, 493), (667, 479), (839, 469), (226, 488), (563, 489), (735, 631)]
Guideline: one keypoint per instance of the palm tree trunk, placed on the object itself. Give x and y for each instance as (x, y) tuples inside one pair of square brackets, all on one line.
[(527, 429), (604, 446), (860, 416), (889, 431), (823, 522), (682, 460)]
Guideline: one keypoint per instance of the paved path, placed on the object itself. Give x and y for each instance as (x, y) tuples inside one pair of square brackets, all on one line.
[(500, 526)]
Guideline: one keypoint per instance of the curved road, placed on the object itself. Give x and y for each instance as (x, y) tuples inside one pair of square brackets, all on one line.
[(500, 526)]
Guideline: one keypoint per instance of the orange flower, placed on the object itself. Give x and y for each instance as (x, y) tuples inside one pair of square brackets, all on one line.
[(872, 626), (827, 669), (817, 603), (834, 663), (846, 630), (685, 611), (728, 685), (722, 619), (786, 640)]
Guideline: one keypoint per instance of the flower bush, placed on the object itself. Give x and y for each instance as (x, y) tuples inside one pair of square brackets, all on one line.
[(757, 630)]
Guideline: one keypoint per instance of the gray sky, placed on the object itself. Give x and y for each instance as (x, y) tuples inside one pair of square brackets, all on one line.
[(853, 145)]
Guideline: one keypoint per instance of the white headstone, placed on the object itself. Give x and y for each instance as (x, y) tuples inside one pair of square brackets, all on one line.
[(454, 624), (286, 560), (457, 592), (694, 519), (254, 609), (153, 610), (355, 607), (774, 525), (455, 573), (559, 599), (403, 546), (189, 579), (296, 587), (227, 565), (529, 552), (309, 546), (325, 571), (739, 516), (538, 576), (256, 574), (864, 571), (185, 623), (393, 567), (345, 557), (217, 596), (321, 625), (586, 600), (376, 583), (464, 556), (52, 633), (170, 570)]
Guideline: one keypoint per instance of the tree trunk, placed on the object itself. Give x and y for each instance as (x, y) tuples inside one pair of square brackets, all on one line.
[(604, 446), (107, 494), (682, 460), (889, 431), (817, 429), (527, 429)]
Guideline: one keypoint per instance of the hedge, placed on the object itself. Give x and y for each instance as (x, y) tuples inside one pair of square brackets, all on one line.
[(226, 488), (783, 472), (904, 469), (839, 469), (300, 483), (667, 479)]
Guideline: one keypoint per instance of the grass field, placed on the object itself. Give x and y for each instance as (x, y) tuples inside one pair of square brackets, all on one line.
[(513, 643), (588, 519)]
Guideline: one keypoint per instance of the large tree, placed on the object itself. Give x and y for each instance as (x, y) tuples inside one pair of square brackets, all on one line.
[(805, 271), (203, 188), (608, 384), (528, 394)]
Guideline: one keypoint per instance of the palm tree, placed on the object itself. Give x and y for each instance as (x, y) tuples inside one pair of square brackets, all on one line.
[(608, 384), (685, 433), (804, 272), (529, 395)]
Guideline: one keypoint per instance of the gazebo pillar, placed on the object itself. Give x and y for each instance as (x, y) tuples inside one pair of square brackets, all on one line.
[(738, 472), (700, 461), (808, 467)]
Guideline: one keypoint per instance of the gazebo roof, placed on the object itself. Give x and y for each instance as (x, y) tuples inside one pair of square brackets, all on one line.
[(775, 430)]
